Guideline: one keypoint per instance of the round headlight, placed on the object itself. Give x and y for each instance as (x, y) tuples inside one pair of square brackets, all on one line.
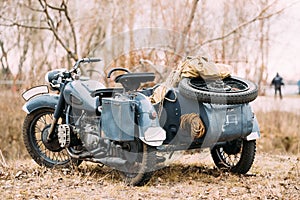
[(51, 78)]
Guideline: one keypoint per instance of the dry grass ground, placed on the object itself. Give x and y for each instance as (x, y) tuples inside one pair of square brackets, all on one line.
[(274, 175), (11, 120), (279, 124)]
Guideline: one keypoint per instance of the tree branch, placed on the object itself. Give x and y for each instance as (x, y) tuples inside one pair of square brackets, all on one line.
[(55, 8), (258, 17), (30, 8), (4, 59), (11, 23), (187, 27), (54, 31), (72, 27), (25, 26)]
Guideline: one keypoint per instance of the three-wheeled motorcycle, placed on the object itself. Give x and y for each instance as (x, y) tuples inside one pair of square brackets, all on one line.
[(120, 127)]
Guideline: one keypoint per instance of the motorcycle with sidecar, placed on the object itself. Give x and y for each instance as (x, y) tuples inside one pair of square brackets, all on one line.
[(120, 127)]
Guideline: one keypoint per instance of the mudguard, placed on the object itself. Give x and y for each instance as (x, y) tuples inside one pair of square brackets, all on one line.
[(255, 134), (42, 101), (150, 131)]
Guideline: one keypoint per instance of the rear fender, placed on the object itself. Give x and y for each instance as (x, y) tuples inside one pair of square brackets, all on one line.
[(42, 101), (255, 134), (150, 131)]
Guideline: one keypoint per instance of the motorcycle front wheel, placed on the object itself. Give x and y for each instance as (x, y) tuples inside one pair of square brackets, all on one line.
[(35, 132), (140, 165), (235, 156)]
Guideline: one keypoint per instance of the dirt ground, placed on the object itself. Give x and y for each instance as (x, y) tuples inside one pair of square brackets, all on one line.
[(190, 177)]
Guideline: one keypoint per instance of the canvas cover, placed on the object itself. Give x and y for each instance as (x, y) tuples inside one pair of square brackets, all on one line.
[(201, 67), (192, 67)]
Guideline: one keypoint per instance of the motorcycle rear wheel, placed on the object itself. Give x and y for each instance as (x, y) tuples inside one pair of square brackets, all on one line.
[(48, 154), (236, 156), (139, 171)]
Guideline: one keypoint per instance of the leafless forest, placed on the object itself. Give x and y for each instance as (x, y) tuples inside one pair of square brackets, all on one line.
[(39, 35)]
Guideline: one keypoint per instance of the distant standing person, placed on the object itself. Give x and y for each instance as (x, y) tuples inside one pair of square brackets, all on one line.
[(277, 82), (298, 83)]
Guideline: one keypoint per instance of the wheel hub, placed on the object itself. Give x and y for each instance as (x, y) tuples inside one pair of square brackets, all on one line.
[(218, 86), (233, 147), (53, 144), (226, 85)]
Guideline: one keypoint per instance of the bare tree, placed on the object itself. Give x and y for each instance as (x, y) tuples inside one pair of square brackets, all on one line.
[(4, 61), (56, 33), (46, 29), (187, 27)]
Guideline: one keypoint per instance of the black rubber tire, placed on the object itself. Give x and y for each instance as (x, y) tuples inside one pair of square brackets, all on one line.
[(243, 163), (33, 126), (140, 176), (231, 97)]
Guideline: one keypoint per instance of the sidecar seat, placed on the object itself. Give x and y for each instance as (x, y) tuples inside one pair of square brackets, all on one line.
[(132, 81)]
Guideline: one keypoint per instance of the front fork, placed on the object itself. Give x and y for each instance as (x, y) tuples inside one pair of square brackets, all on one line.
[(57, 114)]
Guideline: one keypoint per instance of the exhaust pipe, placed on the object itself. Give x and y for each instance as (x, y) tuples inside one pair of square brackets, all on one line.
[(111, 161)]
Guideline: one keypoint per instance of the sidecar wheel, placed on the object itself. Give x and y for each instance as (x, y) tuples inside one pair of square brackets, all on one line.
[(236, 156), (231, 90), (138, 171), (48, 154)]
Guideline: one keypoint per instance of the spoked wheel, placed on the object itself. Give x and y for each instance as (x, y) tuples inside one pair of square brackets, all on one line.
[(35, 132), (231, 90), (236, 156), (140, 165)]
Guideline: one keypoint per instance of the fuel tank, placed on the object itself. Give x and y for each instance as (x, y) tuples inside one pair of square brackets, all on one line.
[(78, 95)]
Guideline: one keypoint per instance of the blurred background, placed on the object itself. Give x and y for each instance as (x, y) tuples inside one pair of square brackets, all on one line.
[(258, 38)]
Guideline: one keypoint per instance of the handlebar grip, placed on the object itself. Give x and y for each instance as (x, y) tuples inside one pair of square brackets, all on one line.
[(88, 60)]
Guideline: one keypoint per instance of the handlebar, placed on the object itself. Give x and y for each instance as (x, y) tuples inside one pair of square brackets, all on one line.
[(84, 60), (88, 60)]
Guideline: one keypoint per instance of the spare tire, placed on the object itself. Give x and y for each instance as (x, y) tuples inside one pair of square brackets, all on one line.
[(231, 90)]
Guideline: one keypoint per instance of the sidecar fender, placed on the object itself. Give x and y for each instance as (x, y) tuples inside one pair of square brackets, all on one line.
[(42, 101), (150, 131), (255, 134)]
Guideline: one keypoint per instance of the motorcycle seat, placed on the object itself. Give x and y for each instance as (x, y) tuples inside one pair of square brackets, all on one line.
[(132, 81)]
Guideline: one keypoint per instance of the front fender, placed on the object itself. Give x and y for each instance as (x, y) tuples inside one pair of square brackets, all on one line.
[(42, 101), (150, 131)]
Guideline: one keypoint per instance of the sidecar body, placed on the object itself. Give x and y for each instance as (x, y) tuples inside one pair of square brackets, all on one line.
[(222, 122)]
